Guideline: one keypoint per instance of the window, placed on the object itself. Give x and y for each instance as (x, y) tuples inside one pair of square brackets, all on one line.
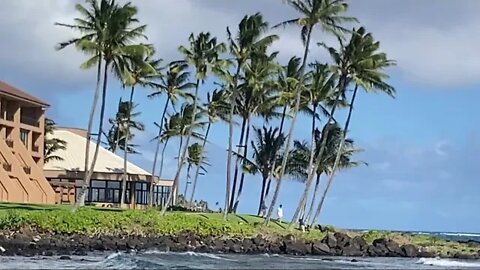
[(24, 136)]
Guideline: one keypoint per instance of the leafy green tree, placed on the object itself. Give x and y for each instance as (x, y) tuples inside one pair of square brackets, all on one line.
[(108, 33), (195, 158), (328, 16), (175, 84), (361, 62), (250, 38), (202, 55)]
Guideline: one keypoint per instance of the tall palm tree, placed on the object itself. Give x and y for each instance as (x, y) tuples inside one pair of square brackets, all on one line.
[(195, 158), (174, 84), (319, 92), (365, 68), (202, 55), (257, 97), (266, 150), (124, 119), (328, 16), (52, 144), (217, 109), (111, 41), (140, 70), (249, 38)]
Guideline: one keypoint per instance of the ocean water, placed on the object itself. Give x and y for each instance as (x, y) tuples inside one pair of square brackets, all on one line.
[(191, 260)]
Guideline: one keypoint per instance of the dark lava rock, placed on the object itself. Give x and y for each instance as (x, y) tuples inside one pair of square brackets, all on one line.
[(359, 243), (354, 260), (388, 246), (295, 247), (259, 240), (410, 251), (319, 248), (343, 239), (330, 241), (65, 257)]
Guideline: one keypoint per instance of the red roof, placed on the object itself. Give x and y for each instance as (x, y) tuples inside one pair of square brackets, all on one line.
[(15, 92)]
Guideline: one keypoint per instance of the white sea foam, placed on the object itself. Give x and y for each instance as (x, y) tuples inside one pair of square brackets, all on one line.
[(462, 234), (448, 263), (189, 253)]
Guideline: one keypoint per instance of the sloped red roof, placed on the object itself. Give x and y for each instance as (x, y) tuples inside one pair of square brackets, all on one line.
[(12, 91)]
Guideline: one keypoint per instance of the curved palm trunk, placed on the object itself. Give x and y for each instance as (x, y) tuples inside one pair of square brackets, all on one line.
[(186, 184), (184, 152), (157, 149), (163, 158), (81, 199), (230, 142), (337, 158), (292, 128), (303, 200), (242, 178), (235, 177), (89, 174), (312, 204), (125, 149), (197, 171)]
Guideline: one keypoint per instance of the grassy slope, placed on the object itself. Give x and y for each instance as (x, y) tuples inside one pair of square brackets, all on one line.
[(59, 219)]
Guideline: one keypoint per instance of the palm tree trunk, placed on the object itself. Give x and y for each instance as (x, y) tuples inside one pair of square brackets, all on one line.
[(157, 149), (337, 158), (242, 178), (292, 127), (184, 152), (230, 141), (310, 171), (180, 150), (197, 171), (312, 204), (81, 199), (89, 173), (264, 184), (186, 184), (163, 158), (125, 148), (235, 178)]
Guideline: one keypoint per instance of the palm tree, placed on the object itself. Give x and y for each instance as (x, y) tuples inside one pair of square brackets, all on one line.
[(202, 55), (319, 92), (52, 145), (111, 41), (143, 71), (256, 98), (117, 133), (365, 68), (217, 109), (174, 84), (327, 15), (249, 38), (195, 158), (266, 150)]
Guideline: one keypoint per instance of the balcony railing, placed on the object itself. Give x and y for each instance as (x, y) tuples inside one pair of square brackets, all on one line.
[(27, 169), (9, 143), (29, 121)]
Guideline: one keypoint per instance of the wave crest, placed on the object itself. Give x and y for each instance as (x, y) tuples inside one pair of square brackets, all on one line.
[(448, 263)]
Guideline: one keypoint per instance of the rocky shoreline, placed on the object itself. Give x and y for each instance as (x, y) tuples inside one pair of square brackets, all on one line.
[(334, 244)]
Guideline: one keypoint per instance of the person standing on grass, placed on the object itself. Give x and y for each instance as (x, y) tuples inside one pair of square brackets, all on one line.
[(280, 213)]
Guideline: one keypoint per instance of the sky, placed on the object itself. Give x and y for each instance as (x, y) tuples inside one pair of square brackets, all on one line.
[(422, 147)]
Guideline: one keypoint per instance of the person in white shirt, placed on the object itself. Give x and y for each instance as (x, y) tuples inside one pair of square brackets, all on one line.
[(280, 213)]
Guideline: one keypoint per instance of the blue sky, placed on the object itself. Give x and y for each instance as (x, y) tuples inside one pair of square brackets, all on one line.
[(422, 147)]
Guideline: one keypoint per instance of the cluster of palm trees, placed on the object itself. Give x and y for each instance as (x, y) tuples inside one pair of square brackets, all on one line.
[(251, 84)]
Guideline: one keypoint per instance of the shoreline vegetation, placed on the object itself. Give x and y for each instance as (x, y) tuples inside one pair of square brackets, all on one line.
[(29, 230)]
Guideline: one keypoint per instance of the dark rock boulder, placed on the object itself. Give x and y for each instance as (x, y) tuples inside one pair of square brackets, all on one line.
[(410, 251), (65, 257), (391, 247), (343, 239), (319, 248), (259, 240), (295, 247), (330, 241), (359, 243), (351, 251)]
